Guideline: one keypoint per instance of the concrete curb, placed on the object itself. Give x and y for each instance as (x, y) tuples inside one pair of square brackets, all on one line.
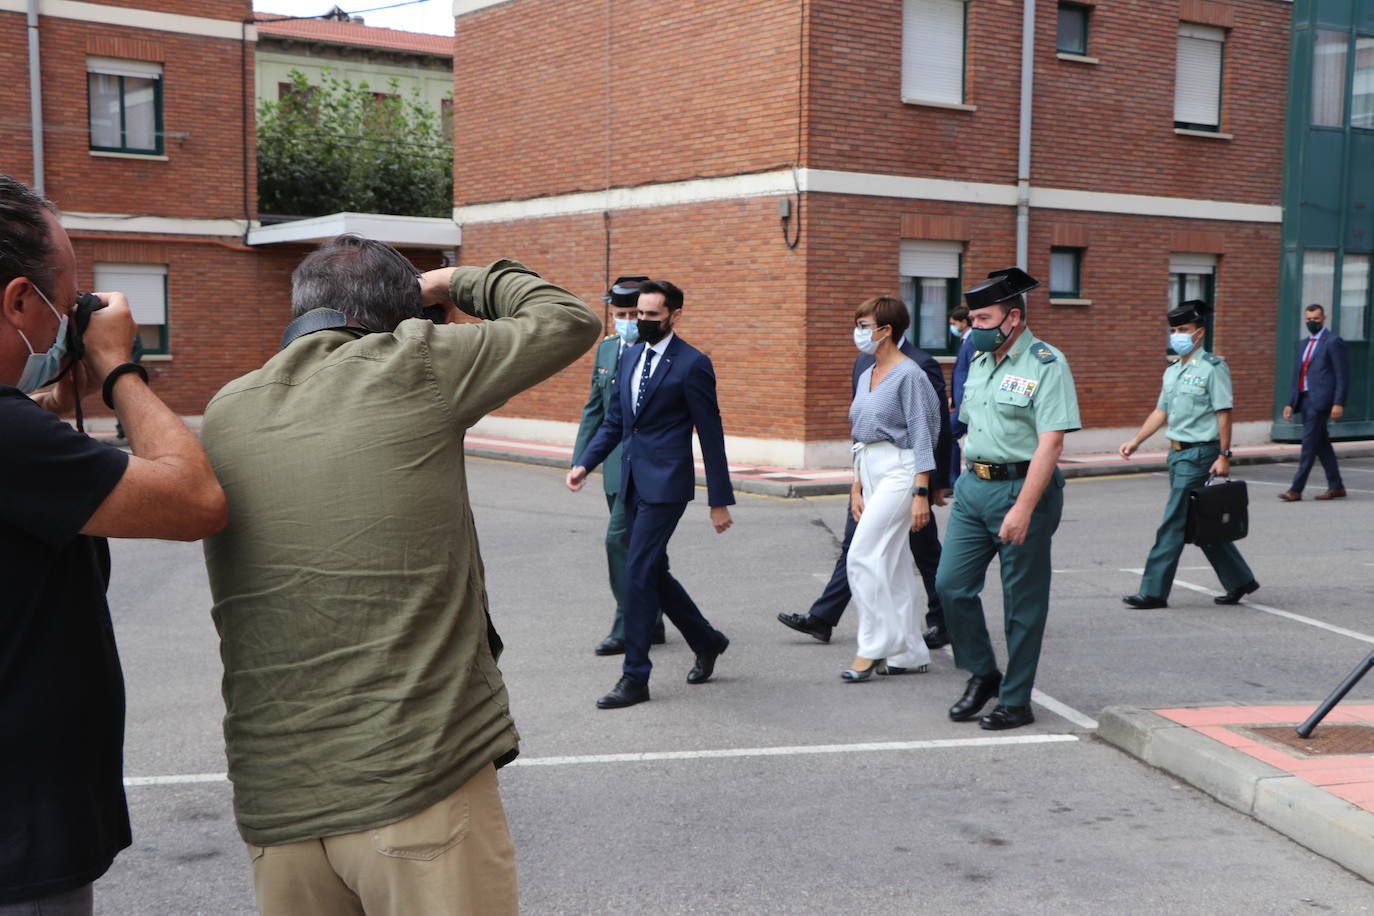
[(1306, 814), (800, 489)]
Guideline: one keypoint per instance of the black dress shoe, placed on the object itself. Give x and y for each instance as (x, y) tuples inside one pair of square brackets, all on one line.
[(1145, 602), (625, 693), (979, 690), (805, 623), (706, 662), (936, 637), (610, 646), (1004, 717), (1234, 595)]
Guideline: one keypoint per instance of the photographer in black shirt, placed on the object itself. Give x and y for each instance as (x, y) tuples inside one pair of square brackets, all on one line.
[(63, 815)]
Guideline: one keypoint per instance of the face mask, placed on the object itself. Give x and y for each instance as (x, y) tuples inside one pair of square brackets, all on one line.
[(41, 367), (863, 339), (986, 340), (955, 332), (650, 331), (1313, 327), (628, 329), (1180, 343)]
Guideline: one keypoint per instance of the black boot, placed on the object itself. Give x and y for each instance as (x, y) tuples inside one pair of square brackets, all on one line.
[(980, 689)]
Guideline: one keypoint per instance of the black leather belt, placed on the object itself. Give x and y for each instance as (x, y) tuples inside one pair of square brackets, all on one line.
[(985, 471), (1180, 446)]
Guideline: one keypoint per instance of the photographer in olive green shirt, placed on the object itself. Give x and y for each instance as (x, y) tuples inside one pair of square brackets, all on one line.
[(365, 713)]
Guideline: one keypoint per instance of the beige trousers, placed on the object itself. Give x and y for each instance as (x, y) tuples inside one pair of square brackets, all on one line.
[(455, 857)]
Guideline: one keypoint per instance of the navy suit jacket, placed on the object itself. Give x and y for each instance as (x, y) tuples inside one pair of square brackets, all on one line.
[(657, 453), (1327, 373), (937, 381)]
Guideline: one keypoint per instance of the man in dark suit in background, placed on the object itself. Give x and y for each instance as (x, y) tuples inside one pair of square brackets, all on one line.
[(958, 322), (925, 543), (666, 388), (1319, 389)]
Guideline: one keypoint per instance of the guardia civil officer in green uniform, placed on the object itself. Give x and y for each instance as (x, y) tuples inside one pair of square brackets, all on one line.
[(622, 299), (1196, 403), (1019, 401)]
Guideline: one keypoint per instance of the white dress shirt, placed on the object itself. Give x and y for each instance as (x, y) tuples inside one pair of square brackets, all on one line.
[(659, 349)]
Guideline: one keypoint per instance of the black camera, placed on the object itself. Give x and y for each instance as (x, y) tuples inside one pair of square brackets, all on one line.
[(87, 304)]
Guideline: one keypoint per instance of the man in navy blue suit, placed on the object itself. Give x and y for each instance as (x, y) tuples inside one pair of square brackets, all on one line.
[(1319, 389), (666, 387), (925, 543)]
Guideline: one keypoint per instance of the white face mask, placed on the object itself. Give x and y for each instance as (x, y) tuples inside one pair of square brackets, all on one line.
[(40, 367), (863, 339)]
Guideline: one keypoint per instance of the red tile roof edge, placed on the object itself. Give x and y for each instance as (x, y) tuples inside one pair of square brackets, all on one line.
[(354, 35)]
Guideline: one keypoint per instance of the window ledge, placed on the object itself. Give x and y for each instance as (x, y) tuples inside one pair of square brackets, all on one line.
[(1059, 300), (946, 360), (1077, 58), (929, 103), (1205, 134), (105, 154), (157, 357)]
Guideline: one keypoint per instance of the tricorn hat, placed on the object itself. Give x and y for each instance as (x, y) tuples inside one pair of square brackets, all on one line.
[(1001, 285), (624, 293), (1193, 311)]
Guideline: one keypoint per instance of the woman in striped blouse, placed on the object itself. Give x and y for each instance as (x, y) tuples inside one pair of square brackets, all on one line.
[(895, 422)]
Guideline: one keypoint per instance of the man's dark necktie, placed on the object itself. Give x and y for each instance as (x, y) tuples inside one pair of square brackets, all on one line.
[(644, 377)]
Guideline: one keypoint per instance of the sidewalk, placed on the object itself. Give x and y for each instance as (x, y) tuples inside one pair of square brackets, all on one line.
[(1318, 792), (785, 482)]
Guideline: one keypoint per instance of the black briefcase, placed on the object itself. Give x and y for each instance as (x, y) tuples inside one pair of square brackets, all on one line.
[(1218, 513)]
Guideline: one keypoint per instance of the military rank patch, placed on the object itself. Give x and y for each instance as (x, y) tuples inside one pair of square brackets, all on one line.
[(1043, 353), (1214, 359), (1017, 385), (1192, 378)]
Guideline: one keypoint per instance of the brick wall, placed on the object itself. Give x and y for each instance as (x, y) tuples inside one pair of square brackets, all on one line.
[(236, 10), (16, 151)]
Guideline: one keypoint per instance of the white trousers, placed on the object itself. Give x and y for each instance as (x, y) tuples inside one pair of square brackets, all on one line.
[(882, 576)]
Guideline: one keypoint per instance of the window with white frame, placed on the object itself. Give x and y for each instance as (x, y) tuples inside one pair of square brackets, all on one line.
[(933, 51), (930, 287), (1197, 80), (145, 285), (1193, 276), (124, 100)]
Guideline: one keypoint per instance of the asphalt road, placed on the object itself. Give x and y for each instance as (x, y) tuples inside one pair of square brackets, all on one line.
[(778, 789)]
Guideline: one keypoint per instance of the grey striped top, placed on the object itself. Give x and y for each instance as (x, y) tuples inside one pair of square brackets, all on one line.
[(903, 410)]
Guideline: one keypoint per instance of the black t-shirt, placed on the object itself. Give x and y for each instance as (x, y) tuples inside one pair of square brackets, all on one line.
[(62, 811)]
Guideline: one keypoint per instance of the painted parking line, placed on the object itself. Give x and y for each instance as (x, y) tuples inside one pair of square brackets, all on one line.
[(800, 750), (1277, 612), (1273, 483)]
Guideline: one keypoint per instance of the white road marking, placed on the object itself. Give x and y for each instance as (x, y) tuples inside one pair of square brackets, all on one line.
[(1277, 612), (723, 753), (1270, 483), (796, 751), (1059, 708)]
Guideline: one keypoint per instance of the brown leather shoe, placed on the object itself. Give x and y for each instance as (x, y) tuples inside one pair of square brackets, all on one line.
[(1338, 493), (1290, 496)]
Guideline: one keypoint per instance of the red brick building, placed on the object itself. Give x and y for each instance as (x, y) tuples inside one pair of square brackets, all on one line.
[(147, 145), (783, 161)]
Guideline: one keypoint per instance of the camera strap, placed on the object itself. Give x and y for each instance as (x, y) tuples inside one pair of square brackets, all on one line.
[(317, 320)]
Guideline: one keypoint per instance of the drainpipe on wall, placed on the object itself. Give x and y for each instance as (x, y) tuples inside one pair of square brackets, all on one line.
[(35, 98), (1023, 152)]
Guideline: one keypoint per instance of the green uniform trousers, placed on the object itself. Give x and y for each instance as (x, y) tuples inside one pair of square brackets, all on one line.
[(970, 543), (1188, 469), (617, 551)]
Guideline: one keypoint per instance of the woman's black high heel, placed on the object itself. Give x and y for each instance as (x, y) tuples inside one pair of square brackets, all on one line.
[(854, 676)]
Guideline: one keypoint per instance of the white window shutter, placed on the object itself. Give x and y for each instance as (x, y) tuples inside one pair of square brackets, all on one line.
[(1197, 82), (933, 51), (1192, 263), (145, 285), (932, 260), (115, 66)]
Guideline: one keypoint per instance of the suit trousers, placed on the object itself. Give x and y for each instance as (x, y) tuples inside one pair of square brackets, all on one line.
[(971, 541), (1316, 444), (925, 547), (649, 586), (617, 549), (79, 902), (1188, 468), (454, 857), (880, 571)]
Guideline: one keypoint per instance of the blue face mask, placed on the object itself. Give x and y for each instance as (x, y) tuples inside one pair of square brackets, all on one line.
[(1180, 342), (863, 339), (628, 329), (41, 367)]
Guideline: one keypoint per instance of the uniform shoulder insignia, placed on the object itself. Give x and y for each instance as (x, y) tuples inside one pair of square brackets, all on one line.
[(1043, 353), (1213, 359)]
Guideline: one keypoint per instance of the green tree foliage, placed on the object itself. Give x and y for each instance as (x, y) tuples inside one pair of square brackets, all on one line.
[(339, 147)]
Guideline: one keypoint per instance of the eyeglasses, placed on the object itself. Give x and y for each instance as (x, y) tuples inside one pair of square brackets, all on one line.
[(865, 325)]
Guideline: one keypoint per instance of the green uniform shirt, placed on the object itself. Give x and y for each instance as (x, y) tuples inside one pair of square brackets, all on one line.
[(360, 677), (598, 404), (1194, 390), (1007, 405)]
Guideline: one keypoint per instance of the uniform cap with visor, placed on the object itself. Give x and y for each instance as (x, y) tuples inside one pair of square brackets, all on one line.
[(1001, 285)]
